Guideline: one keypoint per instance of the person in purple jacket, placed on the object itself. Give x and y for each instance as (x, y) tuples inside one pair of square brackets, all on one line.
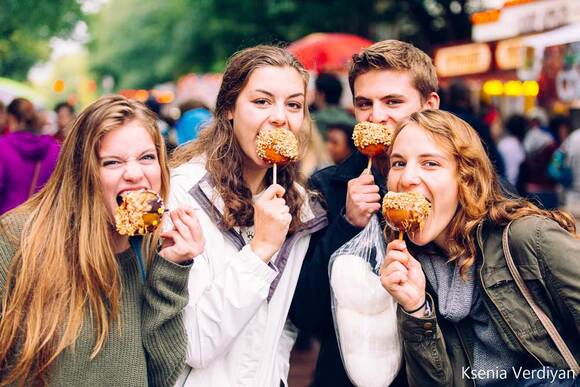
[(27, 158)]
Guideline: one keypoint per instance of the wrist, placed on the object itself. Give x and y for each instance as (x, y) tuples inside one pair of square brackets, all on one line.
[(261, 250), (417, 307)]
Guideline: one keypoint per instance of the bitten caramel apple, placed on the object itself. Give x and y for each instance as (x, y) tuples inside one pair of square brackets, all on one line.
[(372, 139), (278, 146), (138, 212), (406, 211)]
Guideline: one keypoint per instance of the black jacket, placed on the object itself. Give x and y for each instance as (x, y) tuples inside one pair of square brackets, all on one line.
[(311, 306)]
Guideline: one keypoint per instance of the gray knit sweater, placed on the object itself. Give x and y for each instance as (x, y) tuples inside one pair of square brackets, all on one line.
[(148, 350)]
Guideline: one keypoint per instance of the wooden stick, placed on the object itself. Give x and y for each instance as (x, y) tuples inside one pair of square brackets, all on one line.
[(275, 172), (370, 164), (401, 233)]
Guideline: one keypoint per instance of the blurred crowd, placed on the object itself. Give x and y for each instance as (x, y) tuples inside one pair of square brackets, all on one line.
[(537, 155)]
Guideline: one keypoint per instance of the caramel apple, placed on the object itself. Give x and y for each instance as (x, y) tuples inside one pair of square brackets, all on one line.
[(372, 139), (138, 212), (406, 211)]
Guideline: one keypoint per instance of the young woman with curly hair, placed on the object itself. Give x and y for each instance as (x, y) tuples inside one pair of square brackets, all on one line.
[(463, 320)]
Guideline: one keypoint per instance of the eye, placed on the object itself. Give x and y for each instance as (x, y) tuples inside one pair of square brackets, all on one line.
[(363, 104), (393, 102), (397, 164), (295, 105), (149, 157), (261, 101), (431, 163), (110, 163)]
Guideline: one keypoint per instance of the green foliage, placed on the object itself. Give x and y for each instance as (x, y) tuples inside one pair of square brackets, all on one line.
[(145, 42), (25, 29)]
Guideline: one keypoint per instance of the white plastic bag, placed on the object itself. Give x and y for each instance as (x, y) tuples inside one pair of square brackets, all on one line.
[(365, 314)]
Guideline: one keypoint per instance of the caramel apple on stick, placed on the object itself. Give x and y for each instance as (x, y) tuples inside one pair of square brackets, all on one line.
[(277, 147), (405, 211), (372, 139)]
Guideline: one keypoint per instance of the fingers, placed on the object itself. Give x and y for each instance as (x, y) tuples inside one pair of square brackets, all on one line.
[(273, 191)]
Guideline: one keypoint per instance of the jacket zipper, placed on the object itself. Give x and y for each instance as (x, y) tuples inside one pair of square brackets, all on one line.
[(480, 242)]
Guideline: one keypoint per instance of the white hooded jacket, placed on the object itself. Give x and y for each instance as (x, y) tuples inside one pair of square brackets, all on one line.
[(236, 318)]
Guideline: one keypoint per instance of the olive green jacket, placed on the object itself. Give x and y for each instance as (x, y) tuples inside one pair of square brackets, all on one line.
[(438, 351)]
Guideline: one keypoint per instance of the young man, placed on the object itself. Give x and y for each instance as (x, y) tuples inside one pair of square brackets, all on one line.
[(389, 81), (339, 142)]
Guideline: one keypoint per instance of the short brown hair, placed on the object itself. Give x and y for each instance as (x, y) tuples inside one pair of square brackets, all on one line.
[(395, 55)]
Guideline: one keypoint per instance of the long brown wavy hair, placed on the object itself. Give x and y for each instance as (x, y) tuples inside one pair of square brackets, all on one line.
[(480, 194), (223, 152), (65, 267)]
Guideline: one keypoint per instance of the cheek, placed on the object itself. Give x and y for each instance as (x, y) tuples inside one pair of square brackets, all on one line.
[(295, 122)]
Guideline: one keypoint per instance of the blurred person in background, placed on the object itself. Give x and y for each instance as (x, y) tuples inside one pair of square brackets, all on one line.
[(539, 146), (339, 142), (327, 101), (162, 124), (510, 147), (571, 149), (194, 115), (65, 115), (27, 158), (461, 105), (3, 119)]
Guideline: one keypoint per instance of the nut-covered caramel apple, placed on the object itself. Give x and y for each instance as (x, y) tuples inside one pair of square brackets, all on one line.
[(278, 146), (372, 139), (138, 212), (406, 211)]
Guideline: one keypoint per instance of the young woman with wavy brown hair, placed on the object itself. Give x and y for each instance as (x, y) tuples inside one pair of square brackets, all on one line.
[(463, 320), (75, 310), (257, 233)]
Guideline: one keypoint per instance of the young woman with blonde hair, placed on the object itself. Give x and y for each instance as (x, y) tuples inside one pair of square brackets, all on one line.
[(75, 310), (257, 233), (463, 320)]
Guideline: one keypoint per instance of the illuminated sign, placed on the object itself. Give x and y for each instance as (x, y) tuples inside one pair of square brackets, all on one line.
[(508, 54), (523, 18), (462, 60)]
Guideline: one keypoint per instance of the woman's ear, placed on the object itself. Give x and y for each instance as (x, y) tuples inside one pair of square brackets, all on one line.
[(231, 116)]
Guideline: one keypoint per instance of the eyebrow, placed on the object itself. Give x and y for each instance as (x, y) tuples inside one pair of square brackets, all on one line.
[(423, 155), (388, 96), (148, 150), (271, 95)]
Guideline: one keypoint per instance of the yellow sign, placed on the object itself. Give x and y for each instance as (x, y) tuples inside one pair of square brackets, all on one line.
[(462, 60)]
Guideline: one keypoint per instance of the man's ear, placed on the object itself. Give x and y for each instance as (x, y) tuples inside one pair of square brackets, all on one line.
[(432, 101)]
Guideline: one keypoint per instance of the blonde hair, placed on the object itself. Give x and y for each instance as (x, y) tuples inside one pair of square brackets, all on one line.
[(480, 194), (65, 264), (224, 154), (395, 55)]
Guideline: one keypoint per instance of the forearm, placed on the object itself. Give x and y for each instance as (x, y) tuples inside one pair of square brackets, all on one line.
[(427, 362), (164, 338)]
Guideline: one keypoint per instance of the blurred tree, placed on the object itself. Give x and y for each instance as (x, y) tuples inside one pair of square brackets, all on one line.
[(145, 42), (26, 27)]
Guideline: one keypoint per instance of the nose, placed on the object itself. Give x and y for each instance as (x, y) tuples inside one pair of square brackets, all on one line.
[(278, 115), (133, 171), (409, 177), (379, 114)]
